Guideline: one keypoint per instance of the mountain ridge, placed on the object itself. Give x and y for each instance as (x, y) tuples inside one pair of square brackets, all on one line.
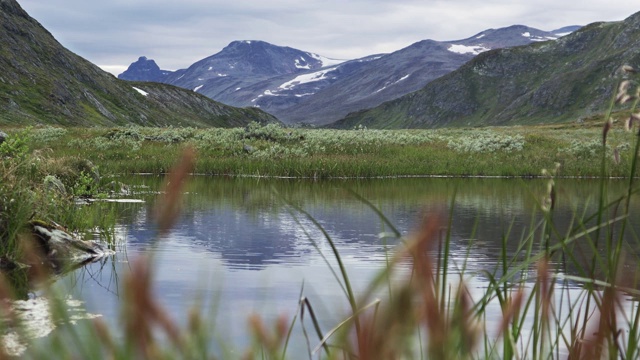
[(563, 80), (44, 83), (319, 93)]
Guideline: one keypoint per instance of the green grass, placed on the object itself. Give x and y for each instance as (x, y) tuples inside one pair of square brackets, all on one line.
[(318, 153)]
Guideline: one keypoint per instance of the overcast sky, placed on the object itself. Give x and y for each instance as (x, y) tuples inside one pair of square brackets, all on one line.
[(177, 33)]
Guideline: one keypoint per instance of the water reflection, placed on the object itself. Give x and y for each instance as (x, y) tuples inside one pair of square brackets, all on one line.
[(243, 244), (250, 223)]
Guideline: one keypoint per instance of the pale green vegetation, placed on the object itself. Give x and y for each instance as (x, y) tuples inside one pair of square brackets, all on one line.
[(273, 150)]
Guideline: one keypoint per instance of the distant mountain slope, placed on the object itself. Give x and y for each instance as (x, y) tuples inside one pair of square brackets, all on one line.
[(402, 72), (42, 82), (298, 86), (543, 82)]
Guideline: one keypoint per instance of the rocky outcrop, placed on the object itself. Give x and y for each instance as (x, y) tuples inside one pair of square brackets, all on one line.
[(56, 247)]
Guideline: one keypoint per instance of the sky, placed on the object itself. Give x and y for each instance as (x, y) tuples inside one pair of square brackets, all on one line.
[(114, 33)]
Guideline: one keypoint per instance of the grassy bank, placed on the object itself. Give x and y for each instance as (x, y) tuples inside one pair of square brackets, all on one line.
[(317, 153), (37, 185)]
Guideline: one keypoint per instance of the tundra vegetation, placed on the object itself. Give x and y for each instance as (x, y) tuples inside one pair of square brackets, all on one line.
[(274, 150), (430, 314)]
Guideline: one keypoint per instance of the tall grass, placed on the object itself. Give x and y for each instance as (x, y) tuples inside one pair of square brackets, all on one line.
[(276, 151)]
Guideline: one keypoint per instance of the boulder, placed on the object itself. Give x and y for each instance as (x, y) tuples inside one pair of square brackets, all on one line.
[(53, 184), (3, 136), (61, 249)]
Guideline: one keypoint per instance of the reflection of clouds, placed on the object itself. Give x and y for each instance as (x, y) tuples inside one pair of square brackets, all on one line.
[(35, 321)]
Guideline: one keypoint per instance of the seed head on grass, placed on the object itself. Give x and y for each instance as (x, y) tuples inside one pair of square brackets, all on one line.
[(605, 130), (623, 95), (511, 310), (627, 69), (634, 118), (545, 286), (142, 313), (104, 335), (270, 342), (168, 206), (602, 334)]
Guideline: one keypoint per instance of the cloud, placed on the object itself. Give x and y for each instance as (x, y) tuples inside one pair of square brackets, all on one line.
[(178, 33)]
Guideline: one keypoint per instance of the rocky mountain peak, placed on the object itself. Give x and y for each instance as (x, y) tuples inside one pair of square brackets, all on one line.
[(144, 70), (263, 58)]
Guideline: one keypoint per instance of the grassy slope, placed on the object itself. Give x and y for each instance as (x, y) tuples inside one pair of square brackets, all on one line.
[(42, 82), (553, 81)]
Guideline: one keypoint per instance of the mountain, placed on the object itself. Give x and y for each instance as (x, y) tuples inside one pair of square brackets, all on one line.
[(566, 30), (298, 86), (399, 73), (144, 70), (553, 81), (42, 82), (237, 75)]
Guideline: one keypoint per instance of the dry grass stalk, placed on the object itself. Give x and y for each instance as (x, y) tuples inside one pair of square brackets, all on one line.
[(511, 310), (623, 96), (633, 118), (384, 334), (628, 69), (424, 283), (102, 331), (168, 206), (269, 341), (450, 330), (605, 130), (142, 313), (545, 286), (594, 341)]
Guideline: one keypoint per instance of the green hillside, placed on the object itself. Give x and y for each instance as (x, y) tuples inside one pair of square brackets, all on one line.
[(41, 82), (547, 82)]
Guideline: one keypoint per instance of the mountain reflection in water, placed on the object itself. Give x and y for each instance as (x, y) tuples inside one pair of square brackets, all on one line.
[(241, 244)]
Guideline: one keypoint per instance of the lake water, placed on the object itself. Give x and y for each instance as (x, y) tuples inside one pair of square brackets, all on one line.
[(241, 246)]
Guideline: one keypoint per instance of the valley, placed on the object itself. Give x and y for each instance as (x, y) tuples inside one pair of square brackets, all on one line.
[(466, 199)]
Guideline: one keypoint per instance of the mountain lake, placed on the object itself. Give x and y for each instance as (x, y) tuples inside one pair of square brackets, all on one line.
[(242, 246)]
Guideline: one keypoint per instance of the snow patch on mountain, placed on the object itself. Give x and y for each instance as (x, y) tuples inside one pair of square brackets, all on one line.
[(198, 88), (142, 92), (393, 83), (302, 64), (325, 60), (463, 49), (307, 78), (538, 38)]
